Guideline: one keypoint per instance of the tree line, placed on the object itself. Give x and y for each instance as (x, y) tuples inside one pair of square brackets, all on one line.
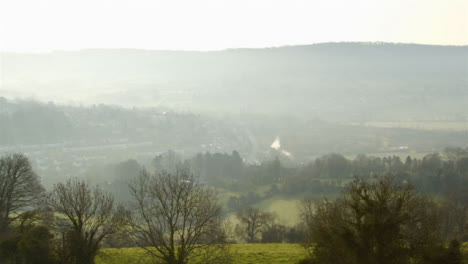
[(175, 218), (172, 217), (433, 174)]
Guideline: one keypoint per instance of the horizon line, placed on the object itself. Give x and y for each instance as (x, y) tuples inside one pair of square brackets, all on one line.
[(236, 48)]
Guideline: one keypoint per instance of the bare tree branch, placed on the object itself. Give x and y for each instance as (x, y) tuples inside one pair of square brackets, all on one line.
[(91, 216), (177, 220), (20, 188)]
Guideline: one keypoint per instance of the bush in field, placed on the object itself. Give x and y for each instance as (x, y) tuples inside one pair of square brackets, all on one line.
[(253, 222), (453, 254), (31, 243), (374, 222), (274, 234)]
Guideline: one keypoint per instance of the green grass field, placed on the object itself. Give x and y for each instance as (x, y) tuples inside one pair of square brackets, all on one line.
[(244, 254)]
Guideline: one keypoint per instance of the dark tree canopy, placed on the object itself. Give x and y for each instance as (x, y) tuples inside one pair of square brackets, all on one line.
[(455, 213), (252, 223), (374, 222), (31, 243)]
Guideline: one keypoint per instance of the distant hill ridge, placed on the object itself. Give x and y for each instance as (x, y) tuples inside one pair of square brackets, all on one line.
[(339, 81)]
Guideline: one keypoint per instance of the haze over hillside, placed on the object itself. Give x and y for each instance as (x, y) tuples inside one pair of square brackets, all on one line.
[(331, 81), (154, 131)]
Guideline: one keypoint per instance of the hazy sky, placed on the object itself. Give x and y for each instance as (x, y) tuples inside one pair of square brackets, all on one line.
[(44, 25)]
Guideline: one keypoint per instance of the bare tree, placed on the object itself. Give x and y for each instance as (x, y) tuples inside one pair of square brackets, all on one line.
[(253, 222), (177, 220), (20, 188), (374, 222), (90, 215)]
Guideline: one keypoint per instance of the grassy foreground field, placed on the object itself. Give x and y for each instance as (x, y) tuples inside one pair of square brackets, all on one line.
[(245, 254)]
